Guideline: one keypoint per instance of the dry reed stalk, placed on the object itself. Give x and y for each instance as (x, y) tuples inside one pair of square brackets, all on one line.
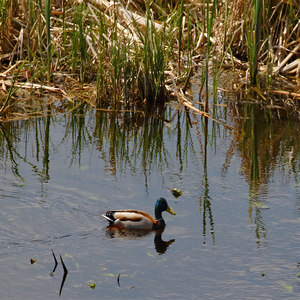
[(283, 37), (286, 93), (292, 68), (124, 15), (34, 86), (183, 100), (125, 31), (5, 73), (286, 59)]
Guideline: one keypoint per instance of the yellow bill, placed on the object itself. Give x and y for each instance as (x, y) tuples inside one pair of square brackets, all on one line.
[(170, 211)]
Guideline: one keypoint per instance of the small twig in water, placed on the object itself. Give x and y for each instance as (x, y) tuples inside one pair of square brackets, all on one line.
[(65, 275), (63, 264), (55, 260), (118, 279)]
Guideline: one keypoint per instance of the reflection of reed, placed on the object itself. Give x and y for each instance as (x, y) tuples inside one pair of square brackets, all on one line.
[(160, 245), (46, 146), (12, 135), (123, 138), (205, 201), (264, 141), (79, 130), (11, 150)]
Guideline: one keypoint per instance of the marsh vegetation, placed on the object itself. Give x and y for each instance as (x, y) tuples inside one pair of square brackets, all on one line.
[(125, 55)]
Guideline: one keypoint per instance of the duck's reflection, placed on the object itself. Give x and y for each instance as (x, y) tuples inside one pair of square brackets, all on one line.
[(160, 245)]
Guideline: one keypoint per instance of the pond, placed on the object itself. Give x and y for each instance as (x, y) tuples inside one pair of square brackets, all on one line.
[(236, 230)]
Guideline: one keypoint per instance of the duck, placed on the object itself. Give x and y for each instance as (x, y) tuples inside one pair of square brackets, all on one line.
[(137, 219)]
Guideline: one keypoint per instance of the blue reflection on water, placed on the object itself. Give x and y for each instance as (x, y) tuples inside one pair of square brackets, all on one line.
[(236, 230)]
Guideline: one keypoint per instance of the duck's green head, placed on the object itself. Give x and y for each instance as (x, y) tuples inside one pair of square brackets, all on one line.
[(160, 206)]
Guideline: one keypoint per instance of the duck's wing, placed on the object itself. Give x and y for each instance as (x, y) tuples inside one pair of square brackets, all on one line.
[(133, 213)]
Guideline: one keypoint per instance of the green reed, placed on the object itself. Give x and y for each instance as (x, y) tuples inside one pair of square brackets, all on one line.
[(129, 71), (79, 46), (253, 39), (189, 44), (180, 19), (209, 25), (192, 29), (3, 11), (47, 16), (102, 80), (4, 6), (151, 76), (218, 66), (116, 59)]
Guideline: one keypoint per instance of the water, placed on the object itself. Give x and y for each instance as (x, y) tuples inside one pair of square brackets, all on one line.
[(236, 230)]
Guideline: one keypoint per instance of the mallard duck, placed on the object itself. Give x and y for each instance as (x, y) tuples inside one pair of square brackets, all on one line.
[(137, 219)]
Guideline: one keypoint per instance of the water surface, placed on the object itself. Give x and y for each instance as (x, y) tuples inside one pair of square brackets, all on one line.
[(236, 230)]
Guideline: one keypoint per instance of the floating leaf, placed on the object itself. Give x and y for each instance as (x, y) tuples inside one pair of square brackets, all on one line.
[(32, 261), (92, 197), (92, 286), (176, 193), (298, 274), (287, 287), (109, 274), (73, 259), (258, 204)]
